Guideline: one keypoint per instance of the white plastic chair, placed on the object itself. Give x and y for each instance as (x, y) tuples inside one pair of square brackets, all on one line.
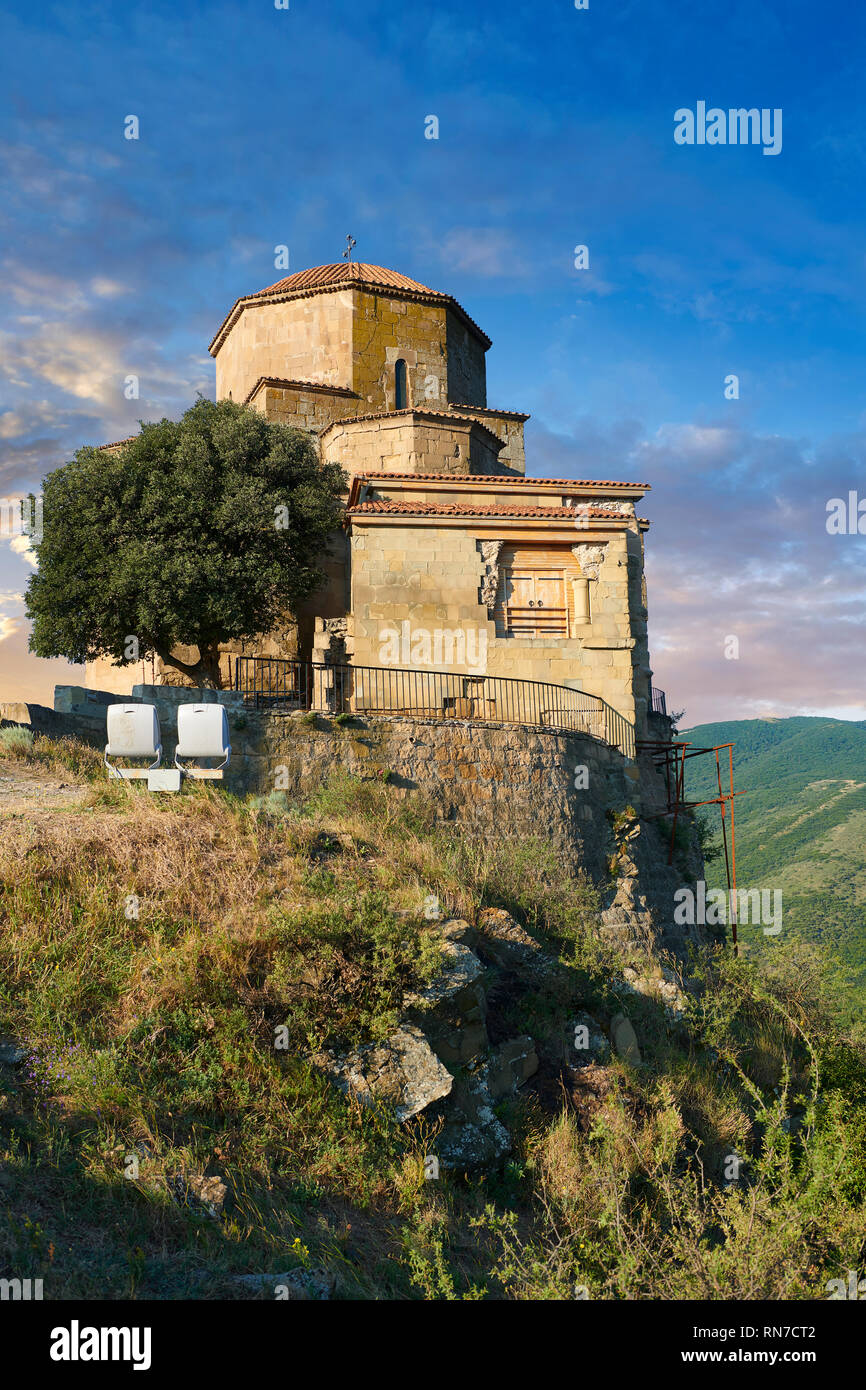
[(202, 732), (133, 732)]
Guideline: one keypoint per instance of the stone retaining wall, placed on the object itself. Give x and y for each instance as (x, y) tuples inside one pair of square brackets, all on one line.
[(499, 782), (495, 779)]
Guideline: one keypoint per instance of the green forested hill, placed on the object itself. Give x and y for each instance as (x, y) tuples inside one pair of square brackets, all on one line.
[(801, 827)]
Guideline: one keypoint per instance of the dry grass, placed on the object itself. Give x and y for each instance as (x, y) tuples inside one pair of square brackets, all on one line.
[(151, 1032), (70, 756)]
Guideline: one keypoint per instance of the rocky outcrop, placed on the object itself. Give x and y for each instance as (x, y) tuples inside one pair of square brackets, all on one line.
[(443, 1062), (403, 1072), (440, 1059), (452, 1009), (603, 811)]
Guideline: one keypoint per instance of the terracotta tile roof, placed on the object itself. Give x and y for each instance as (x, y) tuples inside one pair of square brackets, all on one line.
[(323, 279), (448, 416), (324, 276), (117, 442), (488, 410), (299, 386), (468, 510), (561, 484)]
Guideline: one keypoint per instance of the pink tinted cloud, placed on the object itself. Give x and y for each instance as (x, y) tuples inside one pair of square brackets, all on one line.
[(738, 549)]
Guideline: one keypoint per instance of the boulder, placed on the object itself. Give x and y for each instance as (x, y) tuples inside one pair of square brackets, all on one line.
[(510, 1065), (472, 1136), (403, 1072), (452, 1009), (625, 1040)]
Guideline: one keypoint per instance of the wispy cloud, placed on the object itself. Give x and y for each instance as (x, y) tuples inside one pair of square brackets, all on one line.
[(752, 603), (555, 130), (11, 614), (487, 252), (20, 545)]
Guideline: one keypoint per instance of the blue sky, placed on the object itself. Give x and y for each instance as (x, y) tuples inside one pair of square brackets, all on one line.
[(261, 127)]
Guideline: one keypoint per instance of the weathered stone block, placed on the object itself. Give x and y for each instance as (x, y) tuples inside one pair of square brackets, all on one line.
[(403, 1072)]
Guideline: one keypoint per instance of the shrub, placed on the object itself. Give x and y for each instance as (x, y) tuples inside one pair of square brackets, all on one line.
[(342, 970), (15, 742)]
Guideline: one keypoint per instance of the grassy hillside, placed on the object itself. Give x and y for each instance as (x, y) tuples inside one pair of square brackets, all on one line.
[(150, 947), (801, 827)]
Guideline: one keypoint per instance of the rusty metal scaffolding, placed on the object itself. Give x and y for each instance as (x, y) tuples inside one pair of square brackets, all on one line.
[(670, 758)]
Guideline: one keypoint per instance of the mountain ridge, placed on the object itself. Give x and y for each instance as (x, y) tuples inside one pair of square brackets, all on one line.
[(800, 827)]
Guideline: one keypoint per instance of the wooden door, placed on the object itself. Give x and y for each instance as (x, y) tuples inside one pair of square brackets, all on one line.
[(550, 608), (534, 603), (520, 602)]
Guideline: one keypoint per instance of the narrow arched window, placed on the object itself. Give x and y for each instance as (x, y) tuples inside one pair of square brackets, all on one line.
[(401, 386)]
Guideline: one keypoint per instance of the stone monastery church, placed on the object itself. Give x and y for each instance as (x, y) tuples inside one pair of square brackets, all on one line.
[(451, 558)]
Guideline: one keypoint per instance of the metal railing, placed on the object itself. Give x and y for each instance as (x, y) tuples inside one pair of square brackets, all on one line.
[(660, 704), (275, 683)]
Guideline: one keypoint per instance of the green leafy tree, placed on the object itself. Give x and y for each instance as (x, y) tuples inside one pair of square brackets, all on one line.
[(197, 532)]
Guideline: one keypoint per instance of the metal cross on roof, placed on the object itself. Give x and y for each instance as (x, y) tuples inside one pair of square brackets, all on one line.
[(347, 254)]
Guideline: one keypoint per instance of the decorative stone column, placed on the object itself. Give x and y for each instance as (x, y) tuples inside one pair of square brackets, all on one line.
[(582, 614), (590, 557), (490, 551)]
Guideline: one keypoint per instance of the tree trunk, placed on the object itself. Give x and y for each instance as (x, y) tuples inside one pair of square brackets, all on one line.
[(206, 671)]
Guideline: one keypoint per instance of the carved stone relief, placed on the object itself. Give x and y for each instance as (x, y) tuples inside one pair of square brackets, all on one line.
[(490, 551), (590, 557)]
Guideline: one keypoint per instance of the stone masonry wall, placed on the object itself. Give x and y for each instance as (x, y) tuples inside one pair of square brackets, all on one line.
[(467, 370), (303, 339), (303, 409), (407, 442), (433, 577), (353, 338), (512, 458), (497, 780)]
